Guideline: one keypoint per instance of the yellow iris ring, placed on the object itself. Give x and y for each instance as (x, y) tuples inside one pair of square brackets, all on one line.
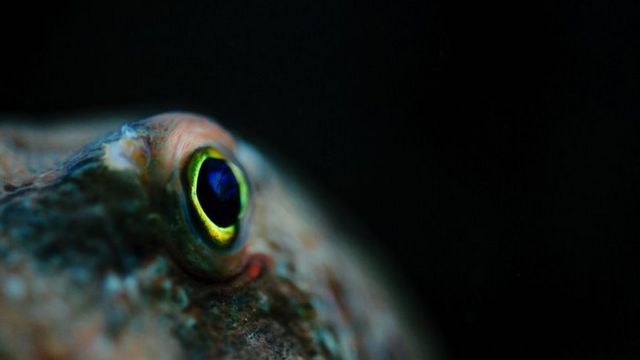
[(221, 236)]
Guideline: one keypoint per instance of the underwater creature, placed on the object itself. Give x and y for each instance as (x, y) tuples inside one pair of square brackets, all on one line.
[(166, 237)]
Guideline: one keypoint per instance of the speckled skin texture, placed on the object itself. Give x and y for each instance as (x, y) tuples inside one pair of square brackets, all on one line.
[(89, 266)]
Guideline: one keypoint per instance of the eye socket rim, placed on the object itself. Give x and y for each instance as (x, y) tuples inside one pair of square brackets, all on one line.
[(220, 237)]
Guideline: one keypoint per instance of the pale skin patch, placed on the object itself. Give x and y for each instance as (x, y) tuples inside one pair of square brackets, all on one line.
[(130, 152)]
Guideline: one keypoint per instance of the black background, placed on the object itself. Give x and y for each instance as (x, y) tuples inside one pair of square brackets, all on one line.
[(491, 148)]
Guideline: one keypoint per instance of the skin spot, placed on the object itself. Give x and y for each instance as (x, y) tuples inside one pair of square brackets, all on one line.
[(254, 270), (256, 266), (130, 152), (309, 240), (9, 187)]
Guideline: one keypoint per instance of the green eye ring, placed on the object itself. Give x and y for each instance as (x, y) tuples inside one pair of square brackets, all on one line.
[(211, 179)]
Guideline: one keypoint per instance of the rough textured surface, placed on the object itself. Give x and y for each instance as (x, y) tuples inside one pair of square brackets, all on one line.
[(88, 269)]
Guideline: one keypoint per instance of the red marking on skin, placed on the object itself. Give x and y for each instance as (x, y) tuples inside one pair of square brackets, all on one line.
[(254, 270), (256, 265)]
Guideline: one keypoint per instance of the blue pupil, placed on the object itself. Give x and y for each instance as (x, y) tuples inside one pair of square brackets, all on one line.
[(218, 192)]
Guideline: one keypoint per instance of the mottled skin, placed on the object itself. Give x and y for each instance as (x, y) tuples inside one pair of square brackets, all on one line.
[(89, 266)]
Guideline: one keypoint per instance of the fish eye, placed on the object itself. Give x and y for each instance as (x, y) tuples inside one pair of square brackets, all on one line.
[(217, 194)]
